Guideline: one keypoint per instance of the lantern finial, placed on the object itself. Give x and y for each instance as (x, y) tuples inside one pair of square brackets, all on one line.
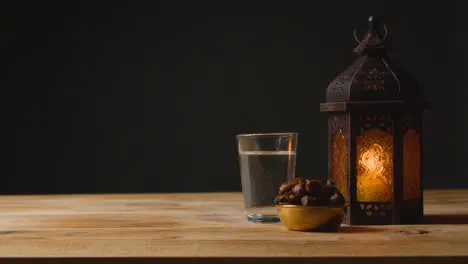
[(371, 40)]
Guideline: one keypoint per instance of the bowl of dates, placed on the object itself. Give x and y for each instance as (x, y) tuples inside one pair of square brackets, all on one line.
[(310, 205)]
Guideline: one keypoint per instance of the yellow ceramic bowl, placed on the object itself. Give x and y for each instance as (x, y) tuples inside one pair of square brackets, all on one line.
[(311, 218)]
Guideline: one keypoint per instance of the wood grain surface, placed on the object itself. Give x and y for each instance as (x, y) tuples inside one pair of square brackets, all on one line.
[(211, 227)]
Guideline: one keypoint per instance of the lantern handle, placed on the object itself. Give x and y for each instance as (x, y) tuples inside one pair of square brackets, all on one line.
[(383, 39), (386, 32), (355, 37)]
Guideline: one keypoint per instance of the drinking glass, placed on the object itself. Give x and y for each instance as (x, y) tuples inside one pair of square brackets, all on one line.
[(266, 160)]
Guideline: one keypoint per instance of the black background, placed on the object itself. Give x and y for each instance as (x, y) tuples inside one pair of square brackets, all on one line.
[(147, 96)]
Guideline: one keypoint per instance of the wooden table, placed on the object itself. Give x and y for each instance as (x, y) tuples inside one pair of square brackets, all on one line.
[(210, 227)]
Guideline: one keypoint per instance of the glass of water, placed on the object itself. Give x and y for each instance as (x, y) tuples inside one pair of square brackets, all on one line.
[(266, 161)]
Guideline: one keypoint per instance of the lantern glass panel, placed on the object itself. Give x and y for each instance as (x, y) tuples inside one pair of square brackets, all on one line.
[(338, 153), (411, 165), (374, 164)]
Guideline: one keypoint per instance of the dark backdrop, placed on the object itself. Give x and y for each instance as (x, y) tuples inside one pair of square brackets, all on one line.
[(147, 96)]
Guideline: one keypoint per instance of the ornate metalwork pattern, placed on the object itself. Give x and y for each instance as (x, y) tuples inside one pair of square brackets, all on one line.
[(371, 76), (374, 81), (337, 123), (368, 78), (374, 165), (338, 89), (339, 153), (376, 209)]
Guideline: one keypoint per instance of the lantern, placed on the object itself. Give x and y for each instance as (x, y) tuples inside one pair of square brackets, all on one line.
[(374, 127)]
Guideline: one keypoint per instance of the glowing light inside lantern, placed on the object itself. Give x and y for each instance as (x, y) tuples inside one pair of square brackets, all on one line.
[(375, 167), (374, 159)]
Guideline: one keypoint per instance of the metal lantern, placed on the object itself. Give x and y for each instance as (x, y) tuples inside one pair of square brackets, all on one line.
[(374, 134)]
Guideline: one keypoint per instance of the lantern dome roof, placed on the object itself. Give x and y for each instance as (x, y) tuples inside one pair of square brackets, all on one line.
[(372, 76)]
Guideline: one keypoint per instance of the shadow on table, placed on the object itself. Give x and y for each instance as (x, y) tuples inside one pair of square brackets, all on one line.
[(446, 219)]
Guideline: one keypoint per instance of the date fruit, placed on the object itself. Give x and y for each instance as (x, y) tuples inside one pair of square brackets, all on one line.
[(327, 192), (299, 189), (287, 186), (337, 198), (311, 192), (314, 187)]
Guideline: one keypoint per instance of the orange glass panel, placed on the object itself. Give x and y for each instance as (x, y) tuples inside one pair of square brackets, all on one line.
[(338, 162), (412, 165), (374, 166)]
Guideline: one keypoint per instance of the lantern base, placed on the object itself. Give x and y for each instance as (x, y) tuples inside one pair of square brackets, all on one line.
[(370, 213), (383, 213)]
